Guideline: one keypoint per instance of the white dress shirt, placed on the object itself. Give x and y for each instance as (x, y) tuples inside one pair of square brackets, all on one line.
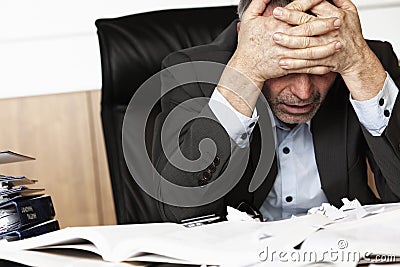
[(297, 187)]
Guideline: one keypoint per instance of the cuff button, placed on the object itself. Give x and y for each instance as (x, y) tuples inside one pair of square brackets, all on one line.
[(212, 168), (216, 161), (207, 175), (202, 181), (386, 113)]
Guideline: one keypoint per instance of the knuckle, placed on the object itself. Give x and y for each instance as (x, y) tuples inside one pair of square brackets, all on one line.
[(291, 17), (308, 29), (305, 18), (328, 24), (306, 42), (310, 53), (296, 6), (339, 14)]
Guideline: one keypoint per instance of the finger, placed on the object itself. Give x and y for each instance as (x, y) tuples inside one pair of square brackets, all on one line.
[(303, 5), (292, 17), (255, 9), (345, 4), (295, 42), (317, 52), (316, 27), (317, 70), (297, 64), (326, 10)]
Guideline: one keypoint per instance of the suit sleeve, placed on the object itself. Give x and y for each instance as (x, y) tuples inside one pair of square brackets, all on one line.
[(183, 137), (384, 154)]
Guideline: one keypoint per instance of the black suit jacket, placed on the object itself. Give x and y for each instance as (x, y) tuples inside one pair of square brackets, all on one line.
[(341, 143)]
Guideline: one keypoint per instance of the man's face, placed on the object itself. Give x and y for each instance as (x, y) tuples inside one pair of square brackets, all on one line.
[(295, 98)]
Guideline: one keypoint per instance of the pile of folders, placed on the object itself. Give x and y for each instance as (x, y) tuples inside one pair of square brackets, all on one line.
[(24, 211)]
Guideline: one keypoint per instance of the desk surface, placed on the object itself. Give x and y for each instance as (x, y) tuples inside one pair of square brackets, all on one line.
[(65, 257)]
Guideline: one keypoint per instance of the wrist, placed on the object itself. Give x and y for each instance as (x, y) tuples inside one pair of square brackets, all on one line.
[(245, 68), (366, 77)]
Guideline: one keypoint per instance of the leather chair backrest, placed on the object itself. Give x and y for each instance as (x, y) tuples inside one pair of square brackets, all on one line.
[(132, 48)]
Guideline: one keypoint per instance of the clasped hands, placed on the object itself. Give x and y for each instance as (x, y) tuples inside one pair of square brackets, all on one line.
[(277, 41)]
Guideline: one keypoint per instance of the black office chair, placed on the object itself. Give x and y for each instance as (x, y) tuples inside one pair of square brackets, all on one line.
[(132, 49)]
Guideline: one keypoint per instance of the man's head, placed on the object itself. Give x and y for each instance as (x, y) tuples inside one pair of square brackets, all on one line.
[(294, 98)]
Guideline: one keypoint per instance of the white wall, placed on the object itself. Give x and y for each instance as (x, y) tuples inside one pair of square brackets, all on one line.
[(380, 19), (49, 46)]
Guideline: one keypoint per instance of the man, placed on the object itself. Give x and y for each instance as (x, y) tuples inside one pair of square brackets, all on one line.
[(334, 101)]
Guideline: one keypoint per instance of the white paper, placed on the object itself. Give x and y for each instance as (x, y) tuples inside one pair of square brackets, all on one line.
[(226, 243), (237, 215)]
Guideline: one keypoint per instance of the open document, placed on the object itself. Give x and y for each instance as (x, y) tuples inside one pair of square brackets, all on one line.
[(352, 235), (225, 243)]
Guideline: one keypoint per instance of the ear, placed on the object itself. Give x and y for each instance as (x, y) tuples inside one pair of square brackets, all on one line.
[(238, 26)]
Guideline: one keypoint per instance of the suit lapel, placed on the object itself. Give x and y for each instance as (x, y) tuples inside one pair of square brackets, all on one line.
[(329, 129), (255, 150)]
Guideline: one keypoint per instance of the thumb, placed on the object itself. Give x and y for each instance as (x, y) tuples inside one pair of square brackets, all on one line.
[(255, 9)]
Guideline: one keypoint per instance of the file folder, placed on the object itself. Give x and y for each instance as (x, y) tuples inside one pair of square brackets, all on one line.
[(35, 230), (25, 211)]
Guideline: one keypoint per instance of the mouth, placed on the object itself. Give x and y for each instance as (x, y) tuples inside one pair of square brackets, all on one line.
[(298, 109)]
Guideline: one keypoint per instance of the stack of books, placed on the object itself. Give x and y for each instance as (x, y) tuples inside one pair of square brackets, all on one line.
[(24, 211)]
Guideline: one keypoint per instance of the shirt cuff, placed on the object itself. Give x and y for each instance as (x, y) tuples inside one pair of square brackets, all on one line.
[(374, 114), (238, 126)]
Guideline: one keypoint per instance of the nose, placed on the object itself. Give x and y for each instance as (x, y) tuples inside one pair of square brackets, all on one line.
[(302, 86)]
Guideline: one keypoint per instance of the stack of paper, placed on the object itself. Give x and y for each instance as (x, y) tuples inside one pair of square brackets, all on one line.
[(24, 212), (15, 186)]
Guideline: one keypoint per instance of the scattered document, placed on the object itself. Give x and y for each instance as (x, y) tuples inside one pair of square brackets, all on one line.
[(352, 209), (329, 211), (367, 237), (237, 215)]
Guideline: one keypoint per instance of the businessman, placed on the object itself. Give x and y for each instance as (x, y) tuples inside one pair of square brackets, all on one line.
[(333, 96)]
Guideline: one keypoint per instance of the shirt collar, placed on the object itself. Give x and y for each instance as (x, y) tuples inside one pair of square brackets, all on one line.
[(276, 123)]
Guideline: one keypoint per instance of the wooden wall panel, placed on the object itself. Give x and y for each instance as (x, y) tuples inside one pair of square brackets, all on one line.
[(58, 131), (105, 203)]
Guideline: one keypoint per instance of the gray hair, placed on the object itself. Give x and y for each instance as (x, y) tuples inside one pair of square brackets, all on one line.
[(244, 4)]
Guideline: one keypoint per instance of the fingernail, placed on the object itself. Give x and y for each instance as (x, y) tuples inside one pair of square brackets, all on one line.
[(337, 23), (277, 36), (338, 46), (277, 12)]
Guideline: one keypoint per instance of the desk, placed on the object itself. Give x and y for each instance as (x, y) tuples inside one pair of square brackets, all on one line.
[(232, 243), (65, 258)]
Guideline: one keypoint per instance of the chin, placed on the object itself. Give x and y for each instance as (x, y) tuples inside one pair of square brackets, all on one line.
[(295, 119)]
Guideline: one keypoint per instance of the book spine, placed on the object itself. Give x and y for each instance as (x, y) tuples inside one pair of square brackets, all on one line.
[(34, 210)]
